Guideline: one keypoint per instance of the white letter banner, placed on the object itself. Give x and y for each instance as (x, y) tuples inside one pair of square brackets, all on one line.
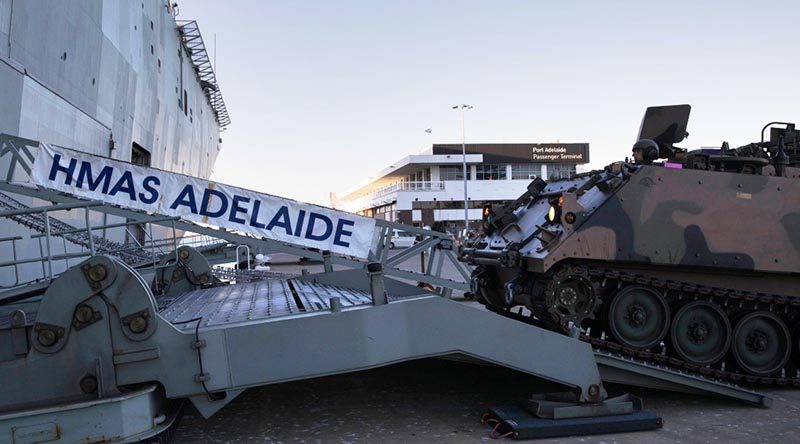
[(197, 200)]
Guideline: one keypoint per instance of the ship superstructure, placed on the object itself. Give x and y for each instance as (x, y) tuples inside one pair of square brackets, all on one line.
[(115, 78)]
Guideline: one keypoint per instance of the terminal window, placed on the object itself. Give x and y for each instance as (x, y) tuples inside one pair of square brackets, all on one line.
[(490, 172), (453, 173), (423, 175), (560, 171), (526, 171)]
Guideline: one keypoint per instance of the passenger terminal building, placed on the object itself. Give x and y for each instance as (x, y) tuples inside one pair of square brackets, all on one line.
[(428, 188)]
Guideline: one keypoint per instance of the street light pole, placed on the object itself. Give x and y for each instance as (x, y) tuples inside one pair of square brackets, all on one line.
[(463, 107)]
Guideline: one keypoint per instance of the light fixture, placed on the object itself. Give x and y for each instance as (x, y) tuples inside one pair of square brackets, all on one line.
[(552, 214)]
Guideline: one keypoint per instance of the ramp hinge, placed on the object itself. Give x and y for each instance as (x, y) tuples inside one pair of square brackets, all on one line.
[(198, 344), (202, 377)]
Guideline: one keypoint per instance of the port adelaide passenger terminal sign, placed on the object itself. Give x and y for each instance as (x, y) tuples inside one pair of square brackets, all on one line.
[(562, 152), (521, 152), (198, 200)]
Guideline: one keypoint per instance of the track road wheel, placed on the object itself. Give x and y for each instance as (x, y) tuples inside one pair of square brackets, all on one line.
[(761, 343), (700, 333), (638, 317)]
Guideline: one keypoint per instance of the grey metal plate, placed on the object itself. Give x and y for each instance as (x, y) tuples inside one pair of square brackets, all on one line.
[(315, 296), (630, 371), (255, 300)]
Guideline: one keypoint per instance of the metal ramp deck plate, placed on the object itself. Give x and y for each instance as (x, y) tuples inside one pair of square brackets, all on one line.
[(316, 296), (253, 301), (626, 370)]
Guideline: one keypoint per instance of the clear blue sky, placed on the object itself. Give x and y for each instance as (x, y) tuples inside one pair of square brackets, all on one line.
[(324, 94)]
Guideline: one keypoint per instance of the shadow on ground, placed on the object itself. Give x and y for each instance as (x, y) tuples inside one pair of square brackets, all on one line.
[(441, 401)]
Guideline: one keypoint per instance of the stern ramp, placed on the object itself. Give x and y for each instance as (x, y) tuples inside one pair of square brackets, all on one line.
[(93, 342)]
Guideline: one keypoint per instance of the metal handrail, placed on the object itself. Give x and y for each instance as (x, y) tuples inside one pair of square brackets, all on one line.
[(195, 47), (105, 226), (49, 208), (13, 240), (247, 253), (47, 255)]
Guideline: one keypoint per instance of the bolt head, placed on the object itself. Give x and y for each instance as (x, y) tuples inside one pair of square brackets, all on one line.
[(47, 337), (97, 273), (568, 296), (138, 324), (88, 384), (637, 315), (184, 254), (701, 332), (84, 314)]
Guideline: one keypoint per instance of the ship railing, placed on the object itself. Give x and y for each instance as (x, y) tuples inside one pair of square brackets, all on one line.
[(135, 250), (13, 241), (408, 186), (141, 254), (47, 258), (196, 49)]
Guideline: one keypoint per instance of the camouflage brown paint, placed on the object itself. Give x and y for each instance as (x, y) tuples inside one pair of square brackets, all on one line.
[(694, 218)]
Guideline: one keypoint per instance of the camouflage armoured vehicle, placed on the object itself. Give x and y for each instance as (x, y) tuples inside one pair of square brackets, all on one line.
[(689, 259)]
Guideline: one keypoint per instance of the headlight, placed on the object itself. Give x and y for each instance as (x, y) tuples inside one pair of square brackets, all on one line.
[(554, 212), (553, 215)]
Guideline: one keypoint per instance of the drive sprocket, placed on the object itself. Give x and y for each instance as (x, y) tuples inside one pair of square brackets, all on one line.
[(570, 296)]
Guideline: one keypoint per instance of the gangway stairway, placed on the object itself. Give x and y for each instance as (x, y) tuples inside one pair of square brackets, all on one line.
[(131, 254), (437, 247)]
